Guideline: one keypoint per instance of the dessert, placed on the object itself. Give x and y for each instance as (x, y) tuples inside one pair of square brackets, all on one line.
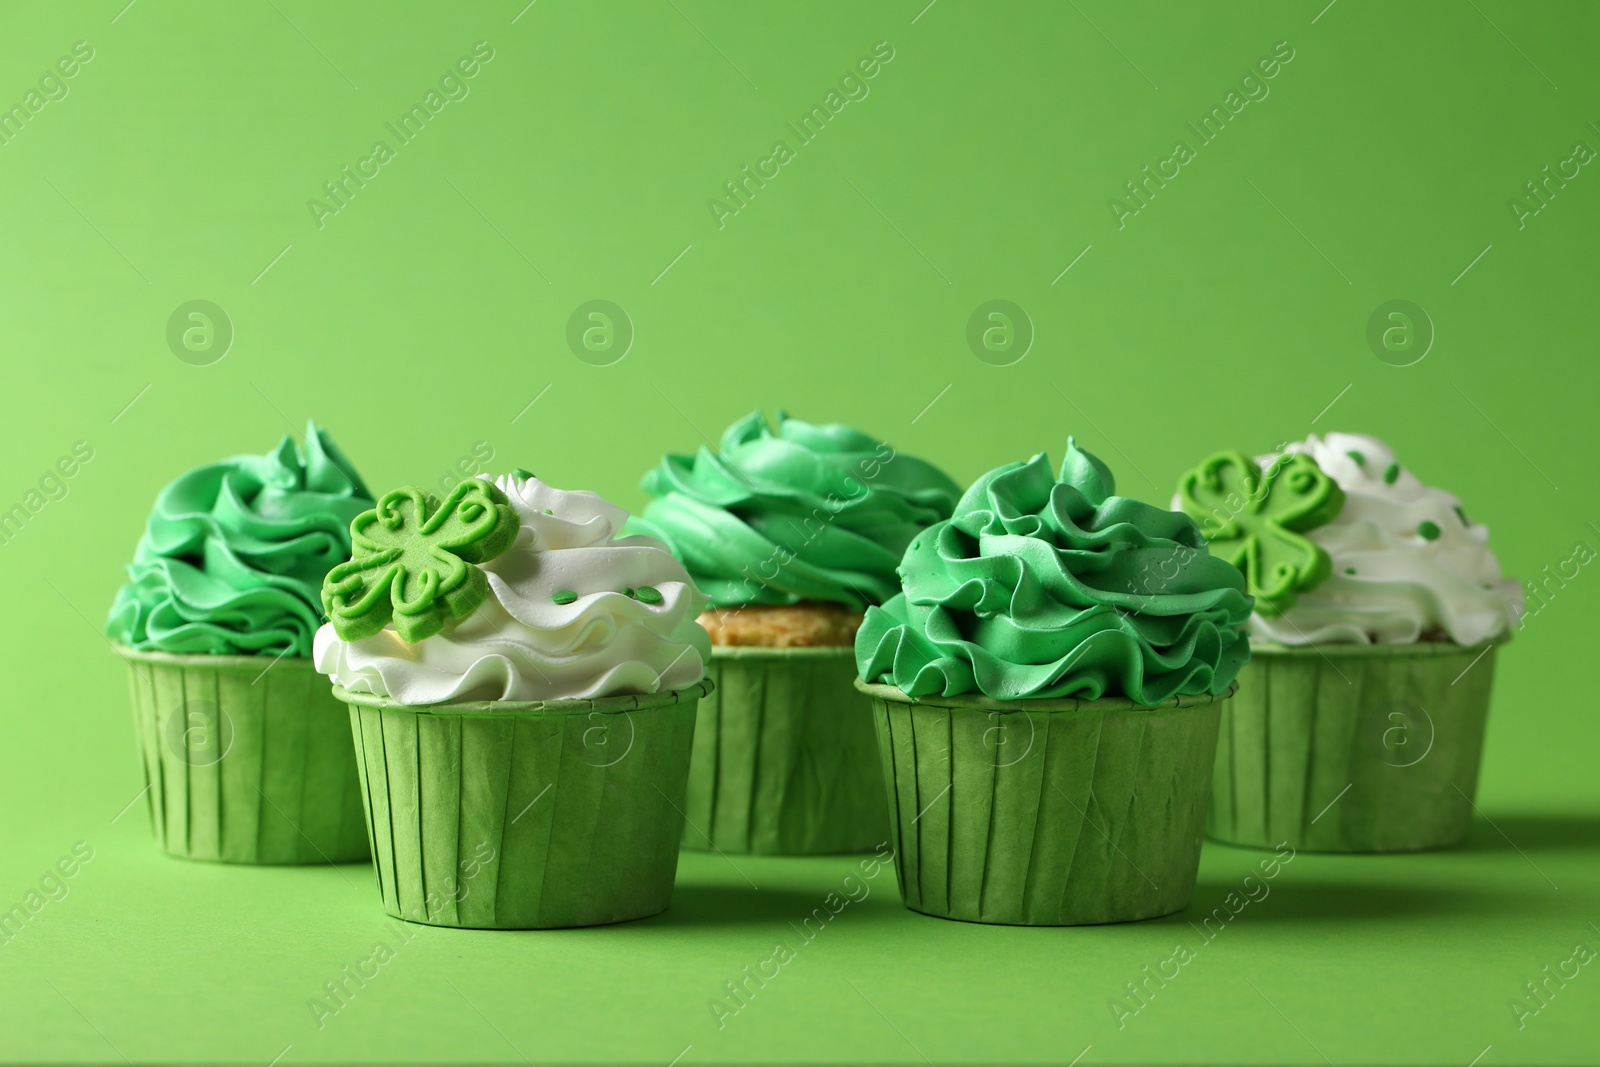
[(1046, 692), (1359, 725), (243, 762), (522, 685), (792, 532)]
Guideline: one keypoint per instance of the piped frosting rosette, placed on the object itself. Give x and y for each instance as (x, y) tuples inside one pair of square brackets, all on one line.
[(569, 609), (234, 552), (806, 512), (1044, 586), (1394, 561)]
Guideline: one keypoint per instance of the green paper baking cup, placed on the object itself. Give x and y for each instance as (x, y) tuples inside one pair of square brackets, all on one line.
[(1045, 812), (517, 815), (785, 761), (243, 761), (1352, 748)]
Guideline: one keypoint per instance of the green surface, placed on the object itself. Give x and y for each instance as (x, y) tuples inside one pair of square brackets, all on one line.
[(1231, 310)]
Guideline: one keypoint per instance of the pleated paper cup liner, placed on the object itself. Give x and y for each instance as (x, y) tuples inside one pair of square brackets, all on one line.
[(516, 815), (1353, 748), (1045, 812), (246, 759), (785, 760)]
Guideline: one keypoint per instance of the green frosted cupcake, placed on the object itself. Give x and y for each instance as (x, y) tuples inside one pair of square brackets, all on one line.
[(243, 761), (1046, 693), (792, 532), (521, 685), (1379, 606)]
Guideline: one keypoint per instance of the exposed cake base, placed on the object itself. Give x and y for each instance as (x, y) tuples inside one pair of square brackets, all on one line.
[(806, 625)]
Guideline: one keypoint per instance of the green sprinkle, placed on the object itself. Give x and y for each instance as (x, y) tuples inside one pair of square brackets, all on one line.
[(629, 592), (1391, 474), (1349, 570), (1361, 461), (564, 596), (547, 511), (524, 475), (649, 594), (1428, 531)]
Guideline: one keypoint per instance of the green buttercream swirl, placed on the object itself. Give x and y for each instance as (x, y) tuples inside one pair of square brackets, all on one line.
[(233, 556), (806, 512), (1047, 587)]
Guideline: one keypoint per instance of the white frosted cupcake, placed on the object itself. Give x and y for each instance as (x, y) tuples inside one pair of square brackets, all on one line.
[(573, 611), (1359, 722), (524, 731), (1407, 564)]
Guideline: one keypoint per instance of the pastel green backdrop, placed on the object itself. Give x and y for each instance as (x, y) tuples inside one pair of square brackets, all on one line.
[(432, 309)]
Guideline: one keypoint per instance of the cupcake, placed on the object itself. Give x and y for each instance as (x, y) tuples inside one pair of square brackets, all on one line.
[(1046, 693), (1378, 607), (243, 761), (792, 533), (521, 684)]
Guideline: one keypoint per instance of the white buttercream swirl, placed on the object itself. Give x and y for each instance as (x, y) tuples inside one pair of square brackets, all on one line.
[(1392, 584), (519, 644)]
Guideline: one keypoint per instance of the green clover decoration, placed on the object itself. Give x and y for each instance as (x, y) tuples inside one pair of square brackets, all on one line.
[(1254, 519), (413, 560)]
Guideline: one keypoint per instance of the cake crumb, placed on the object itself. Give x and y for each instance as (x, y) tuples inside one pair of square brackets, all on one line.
[(803, 625)]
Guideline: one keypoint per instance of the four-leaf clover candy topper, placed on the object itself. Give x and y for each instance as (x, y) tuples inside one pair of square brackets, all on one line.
[(1254, 519), (413, 560)]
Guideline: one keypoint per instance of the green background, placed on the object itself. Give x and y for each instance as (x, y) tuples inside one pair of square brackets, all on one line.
[(426, 315)]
